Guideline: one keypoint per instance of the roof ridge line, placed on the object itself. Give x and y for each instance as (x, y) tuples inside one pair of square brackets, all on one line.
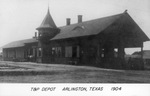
[(92, 20)]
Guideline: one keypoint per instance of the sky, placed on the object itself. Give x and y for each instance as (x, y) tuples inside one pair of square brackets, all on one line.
[(20, 18)]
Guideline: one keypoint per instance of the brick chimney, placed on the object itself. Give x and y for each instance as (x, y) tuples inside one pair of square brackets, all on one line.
[(35, 35), (68, 21), (79, 18)]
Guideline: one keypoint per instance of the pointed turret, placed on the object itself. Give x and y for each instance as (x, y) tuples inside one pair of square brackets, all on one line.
[(47, 22), (47, 29)]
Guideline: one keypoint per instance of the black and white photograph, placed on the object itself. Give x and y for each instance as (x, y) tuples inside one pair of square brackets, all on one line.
[(75, 42)]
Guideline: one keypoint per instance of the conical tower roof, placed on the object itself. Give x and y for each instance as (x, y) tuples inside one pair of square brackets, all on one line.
[(47, 22)]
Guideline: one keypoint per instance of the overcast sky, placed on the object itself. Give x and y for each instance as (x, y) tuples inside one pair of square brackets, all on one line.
[(20, 18)]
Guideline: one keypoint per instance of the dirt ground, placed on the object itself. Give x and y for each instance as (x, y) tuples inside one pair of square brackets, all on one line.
[(27, 72)]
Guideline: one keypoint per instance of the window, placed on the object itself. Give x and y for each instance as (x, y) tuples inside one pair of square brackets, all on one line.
[(57, 51), (68, 51), (40, 52), (102, 55), (53, 51), (72, 51), (34, 51), (75, 51), (31, 51), (78, 51)]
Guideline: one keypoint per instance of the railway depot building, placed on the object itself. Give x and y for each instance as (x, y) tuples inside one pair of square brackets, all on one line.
[(83, 43)]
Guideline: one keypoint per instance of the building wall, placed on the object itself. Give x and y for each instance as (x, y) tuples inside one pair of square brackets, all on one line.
[(12, 54), (70, 51), (4, 53), (9, 54), (30, 53), (20, 53)]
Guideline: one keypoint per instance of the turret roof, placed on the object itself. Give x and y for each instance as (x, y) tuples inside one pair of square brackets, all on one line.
[(47, 22)]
